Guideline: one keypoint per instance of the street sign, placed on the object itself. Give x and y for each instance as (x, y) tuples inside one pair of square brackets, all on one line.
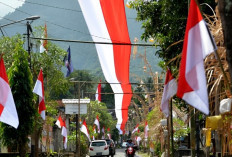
[(72, 106)]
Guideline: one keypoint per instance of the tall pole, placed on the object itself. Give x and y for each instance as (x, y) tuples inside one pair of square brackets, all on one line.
[(79, 116), (28, 42)]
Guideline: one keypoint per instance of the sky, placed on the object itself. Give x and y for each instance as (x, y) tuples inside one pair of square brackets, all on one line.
[(4, 10)]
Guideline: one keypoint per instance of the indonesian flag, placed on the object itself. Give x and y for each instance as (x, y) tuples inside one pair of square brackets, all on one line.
[(97, 123), (39, 90), (43, 46), (170, 88), (106, 19), (103, 129), (198, 43), (108, 133), (64, 133), (59, 122), (84, 129), (136, 129), (98, 92), (94, 130), (146, 130), (138, 139), (8, 113), (93, 138)]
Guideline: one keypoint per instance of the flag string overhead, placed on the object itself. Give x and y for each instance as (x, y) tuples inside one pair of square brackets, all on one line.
[(107, 19), (198, 43), (8, 112)]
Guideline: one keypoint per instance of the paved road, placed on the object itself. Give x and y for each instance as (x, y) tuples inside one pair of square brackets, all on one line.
[(121, 153)]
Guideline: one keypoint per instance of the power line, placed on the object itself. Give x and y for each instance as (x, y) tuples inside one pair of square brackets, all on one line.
[(49, 6), (54, 23), (92, 42)]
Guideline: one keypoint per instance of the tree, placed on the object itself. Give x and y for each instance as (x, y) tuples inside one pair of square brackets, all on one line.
[(165, 22), (20, 80)]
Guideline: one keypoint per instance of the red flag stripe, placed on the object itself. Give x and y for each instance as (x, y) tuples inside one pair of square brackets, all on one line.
[(115, 19)]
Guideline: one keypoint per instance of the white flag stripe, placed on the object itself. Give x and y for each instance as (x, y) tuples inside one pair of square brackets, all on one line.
[(38, 88), (9, 114), (97, 26)]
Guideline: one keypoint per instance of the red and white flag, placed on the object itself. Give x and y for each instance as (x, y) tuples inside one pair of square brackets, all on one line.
[(146, 129), (8, 112), (43, 46), (39, 90), (84, 129), (98, 92), (170, 88), (93, 138), (97, 123), (94, 130), (64, 133), (198, 43), (110, 26), (136, 129), (108, 133), (59, 122)]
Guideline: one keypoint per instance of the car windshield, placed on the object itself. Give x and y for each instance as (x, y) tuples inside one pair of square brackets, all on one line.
[(98, 144)]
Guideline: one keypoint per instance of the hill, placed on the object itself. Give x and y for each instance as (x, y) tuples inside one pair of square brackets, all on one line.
[(64, 20)]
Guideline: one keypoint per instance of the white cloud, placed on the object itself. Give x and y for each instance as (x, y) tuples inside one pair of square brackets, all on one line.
[(6, 6)]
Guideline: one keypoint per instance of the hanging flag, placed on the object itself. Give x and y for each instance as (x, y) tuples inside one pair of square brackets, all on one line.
[(146, 129), (103, 129), (138, 139), (170, 88), (8, 112), (93, 138), (198, 43), (94, 130), (84, 129), (39, 90), (43, 46), (97, 123), (98, 92), (64, 133), (136, 129), (59, 122), (68, 62), (108, 133), (111, 27)]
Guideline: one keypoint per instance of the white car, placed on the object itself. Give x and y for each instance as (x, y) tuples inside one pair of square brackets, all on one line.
[(99, 148)]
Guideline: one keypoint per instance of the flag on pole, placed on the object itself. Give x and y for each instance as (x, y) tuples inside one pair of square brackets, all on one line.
[(84, 129), (93, 138), (170, 88), (103, 131), (108, 133), (98, 92), (114, 59), (59, 122), (64, 133), (39, 90), (146, 129), (68, 62), (136, 129), (198, 43), (8, 112), (97, 123), (43, 46), (94, 130)]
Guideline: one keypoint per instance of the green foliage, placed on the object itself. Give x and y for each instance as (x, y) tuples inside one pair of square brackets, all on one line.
[(180, 128), (80, 75), (141, 128), (20, 80), (108, 99), (165, 21)]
